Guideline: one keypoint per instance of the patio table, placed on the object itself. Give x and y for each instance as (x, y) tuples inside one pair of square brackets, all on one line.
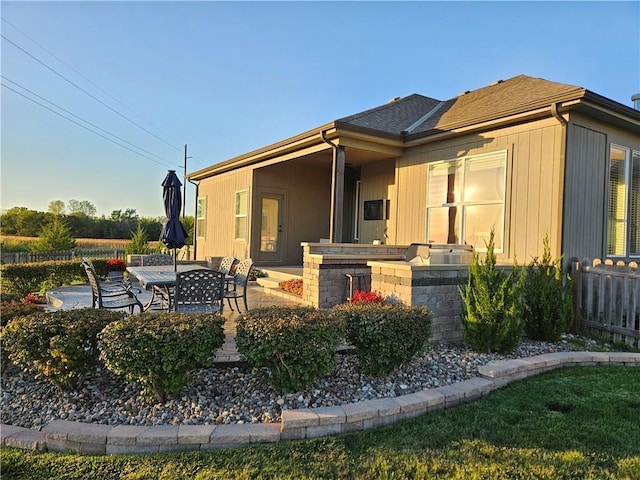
[(159, 279)]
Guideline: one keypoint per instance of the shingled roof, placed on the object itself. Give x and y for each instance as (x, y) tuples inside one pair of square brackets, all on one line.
[(419, 115)]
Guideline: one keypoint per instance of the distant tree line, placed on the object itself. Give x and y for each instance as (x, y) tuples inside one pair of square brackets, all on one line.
[(81, 220)]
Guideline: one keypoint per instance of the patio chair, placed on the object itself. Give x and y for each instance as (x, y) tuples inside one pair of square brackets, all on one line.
[(227, 265), (199, 291), (113, 296), (111, 282), (156, 259), (238, 287)]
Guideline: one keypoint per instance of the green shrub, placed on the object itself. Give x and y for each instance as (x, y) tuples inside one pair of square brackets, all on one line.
[(139, 243), (295, 344), (159, 350), (60, 347), (13, 309), (385, 335), (491, 305), (548, 298), (54, 237), (23, 278)]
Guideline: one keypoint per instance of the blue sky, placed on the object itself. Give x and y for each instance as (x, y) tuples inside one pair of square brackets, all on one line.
[(226, 78)]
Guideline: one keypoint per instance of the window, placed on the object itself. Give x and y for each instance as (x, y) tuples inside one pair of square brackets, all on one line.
[(465, 199), (201, 217), (623, 211), (242, 215)]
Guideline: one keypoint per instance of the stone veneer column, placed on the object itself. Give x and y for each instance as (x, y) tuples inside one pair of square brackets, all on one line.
[(432, 286)]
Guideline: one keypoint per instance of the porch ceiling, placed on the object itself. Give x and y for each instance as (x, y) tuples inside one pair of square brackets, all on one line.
[(353, 156)]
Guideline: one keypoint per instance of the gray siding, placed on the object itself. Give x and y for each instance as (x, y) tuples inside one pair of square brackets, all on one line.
[(584, 208)]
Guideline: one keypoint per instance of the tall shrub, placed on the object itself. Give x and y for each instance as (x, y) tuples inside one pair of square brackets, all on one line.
[(54, 237), (491, 304), (548, 297), (139, 244)]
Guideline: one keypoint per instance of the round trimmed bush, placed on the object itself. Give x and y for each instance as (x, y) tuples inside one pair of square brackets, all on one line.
[(159, 350), (385, 335), (295, 344), (60, 346)]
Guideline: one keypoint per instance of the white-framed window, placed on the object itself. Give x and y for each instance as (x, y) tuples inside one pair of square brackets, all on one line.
[(466, 199), (623, 209), (201, 217), (241, 230)]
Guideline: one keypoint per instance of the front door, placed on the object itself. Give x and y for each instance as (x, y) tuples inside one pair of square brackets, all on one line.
[(272, 245)]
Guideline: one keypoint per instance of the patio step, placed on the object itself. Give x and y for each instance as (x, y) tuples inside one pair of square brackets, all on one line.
[(274, 277)]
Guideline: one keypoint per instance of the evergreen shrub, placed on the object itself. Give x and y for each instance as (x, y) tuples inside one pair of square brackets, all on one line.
[(548, 298), (294, 344), (160, 350), (60, 347), (384, 335), (491, 305)]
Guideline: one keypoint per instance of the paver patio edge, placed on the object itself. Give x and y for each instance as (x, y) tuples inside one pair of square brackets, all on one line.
[(78, 437)]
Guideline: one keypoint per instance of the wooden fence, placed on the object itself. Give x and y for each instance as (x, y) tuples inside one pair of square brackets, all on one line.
[(607, 298), (31, 257)]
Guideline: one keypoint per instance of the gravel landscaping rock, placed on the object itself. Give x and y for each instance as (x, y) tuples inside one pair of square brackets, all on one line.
[(235, 395)]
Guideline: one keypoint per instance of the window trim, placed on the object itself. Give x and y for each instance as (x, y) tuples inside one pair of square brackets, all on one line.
[(627, 203), (237, 215), (462, 163), (201, 217)]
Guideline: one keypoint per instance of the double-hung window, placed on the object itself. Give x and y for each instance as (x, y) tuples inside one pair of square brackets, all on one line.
[(623, 212), (466, 199)]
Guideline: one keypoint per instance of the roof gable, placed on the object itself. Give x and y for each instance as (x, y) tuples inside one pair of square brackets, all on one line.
[(518, 94), (393, 117)]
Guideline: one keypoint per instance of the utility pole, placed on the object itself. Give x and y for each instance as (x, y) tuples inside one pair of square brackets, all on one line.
[(184, 183)]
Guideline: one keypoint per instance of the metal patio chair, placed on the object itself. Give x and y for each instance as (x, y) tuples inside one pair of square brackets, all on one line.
[(238, 287), (111, 282), (112, 296), (227, 265), (199, 291), (156, 259)]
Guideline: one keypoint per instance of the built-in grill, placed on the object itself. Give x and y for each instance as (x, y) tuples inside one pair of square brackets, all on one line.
[(439, 254)]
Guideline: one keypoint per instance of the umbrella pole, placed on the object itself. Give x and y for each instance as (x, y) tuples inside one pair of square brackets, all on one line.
[(175, 260)]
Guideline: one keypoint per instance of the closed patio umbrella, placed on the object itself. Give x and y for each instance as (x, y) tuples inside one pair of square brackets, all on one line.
[(173, 233)]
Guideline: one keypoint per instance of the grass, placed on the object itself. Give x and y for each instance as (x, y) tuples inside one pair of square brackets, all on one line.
[(580, 423)]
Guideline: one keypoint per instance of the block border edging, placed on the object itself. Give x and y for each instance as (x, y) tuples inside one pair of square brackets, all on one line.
[(90, 438)]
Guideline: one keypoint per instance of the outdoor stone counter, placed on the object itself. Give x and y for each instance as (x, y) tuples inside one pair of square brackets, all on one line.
[(326, 264), (432, 286), (67, 436)]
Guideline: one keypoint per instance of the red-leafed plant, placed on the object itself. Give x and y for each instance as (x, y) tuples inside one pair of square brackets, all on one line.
[(366, 297), (116, 265), (292, 286), (35, 298)]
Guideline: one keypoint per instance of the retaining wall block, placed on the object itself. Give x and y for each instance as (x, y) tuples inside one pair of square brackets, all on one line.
[(158, 435), (195, 434), (24, 438), (263, 432)]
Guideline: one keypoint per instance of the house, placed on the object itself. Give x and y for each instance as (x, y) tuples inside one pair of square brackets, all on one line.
[(525, 156)]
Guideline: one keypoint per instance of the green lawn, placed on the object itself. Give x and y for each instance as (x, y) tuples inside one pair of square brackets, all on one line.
[(580, 423)]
